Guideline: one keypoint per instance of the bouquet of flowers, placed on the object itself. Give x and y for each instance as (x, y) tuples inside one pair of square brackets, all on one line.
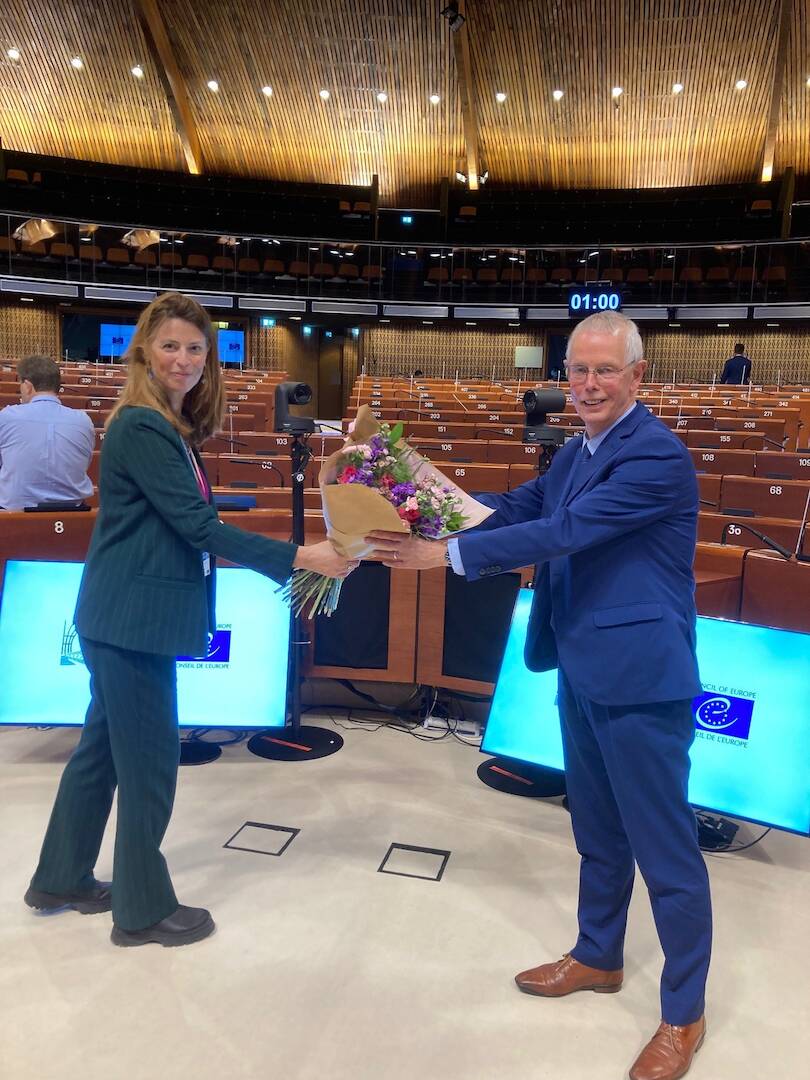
[(378, 482)]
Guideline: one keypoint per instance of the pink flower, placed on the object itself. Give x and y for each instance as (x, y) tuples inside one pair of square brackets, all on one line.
[(348, 475)]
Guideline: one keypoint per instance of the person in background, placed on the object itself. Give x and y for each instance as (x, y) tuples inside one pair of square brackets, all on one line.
[(45, 447), (146, 597), (737, 369), (611, 528)]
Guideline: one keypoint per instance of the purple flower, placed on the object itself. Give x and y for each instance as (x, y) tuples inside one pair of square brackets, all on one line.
[(401, 492)]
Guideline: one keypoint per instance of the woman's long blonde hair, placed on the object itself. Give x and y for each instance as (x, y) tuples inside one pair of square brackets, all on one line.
[(203, 407)]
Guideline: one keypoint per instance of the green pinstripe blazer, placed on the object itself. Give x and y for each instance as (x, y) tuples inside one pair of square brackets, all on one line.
[(143, 586)]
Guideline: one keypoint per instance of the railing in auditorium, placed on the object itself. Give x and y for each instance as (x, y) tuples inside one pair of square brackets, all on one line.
[(98, 254)]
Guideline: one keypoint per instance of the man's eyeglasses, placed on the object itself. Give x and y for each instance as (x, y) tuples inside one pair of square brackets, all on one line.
[(578, 373)]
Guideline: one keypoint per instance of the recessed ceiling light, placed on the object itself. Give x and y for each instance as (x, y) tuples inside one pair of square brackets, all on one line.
[(137, 71), (677, 88), (675, 324), (212, 85), (267, 91), (295, 318), (557, 94), (771, 323), (513, 324), (724, 324), (385, 320), (27, 299), (382, 97), (427, 322), (314, 248), (324, 94), (435, 99), (500, 97), (77, 63), (617, 91), (470, 324), (740, 84), (13, 54)]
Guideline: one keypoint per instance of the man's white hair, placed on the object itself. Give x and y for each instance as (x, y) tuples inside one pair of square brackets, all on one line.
[(611, 322)]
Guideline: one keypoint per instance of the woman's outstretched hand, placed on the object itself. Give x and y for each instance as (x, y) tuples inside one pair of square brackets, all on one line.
[(323, 559)]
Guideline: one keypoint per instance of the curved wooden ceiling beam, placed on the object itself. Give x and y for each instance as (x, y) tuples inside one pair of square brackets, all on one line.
[(157, 39), (782, 34), (466, 88)]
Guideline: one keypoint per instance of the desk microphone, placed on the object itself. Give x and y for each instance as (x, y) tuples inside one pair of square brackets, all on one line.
[(783, 551), (767, 439)]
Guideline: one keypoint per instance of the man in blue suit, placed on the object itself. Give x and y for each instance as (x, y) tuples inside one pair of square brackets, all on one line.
[(612, 528), (737, 369)]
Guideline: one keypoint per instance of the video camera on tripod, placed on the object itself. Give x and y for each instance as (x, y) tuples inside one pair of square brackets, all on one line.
[(538, 404)]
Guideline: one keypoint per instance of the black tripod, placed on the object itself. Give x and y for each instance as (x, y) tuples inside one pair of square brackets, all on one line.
[(296, 741)]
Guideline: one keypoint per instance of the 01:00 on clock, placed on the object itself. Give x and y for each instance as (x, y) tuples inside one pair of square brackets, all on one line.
[(597, 302)]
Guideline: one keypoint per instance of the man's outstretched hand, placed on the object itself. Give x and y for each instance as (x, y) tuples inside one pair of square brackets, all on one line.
[(403, 552)]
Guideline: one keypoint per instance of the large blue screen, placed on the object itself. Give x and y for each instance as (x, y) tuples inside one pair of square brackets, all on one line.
[(751, 754), (114, 338), (231, 346), (241, 683)]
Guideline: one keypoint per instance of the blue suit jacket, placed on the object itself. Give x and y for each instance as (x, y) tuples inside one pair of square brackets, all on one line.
[(614, 588), (736, 370)]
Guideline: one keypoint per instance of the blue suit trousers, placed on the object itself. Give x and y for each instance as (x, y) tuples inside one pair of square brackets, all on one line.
[(627, 769)]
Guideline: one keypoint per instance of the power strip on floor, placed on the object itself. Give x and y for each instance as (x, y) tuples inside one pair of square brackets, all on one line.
[(470, 729)]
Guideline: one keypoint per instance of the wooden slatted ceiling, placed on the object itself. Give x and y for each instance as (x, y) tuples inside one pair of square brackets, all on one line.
[(101, 112), (710, 133), (793, 131), (355, 48)]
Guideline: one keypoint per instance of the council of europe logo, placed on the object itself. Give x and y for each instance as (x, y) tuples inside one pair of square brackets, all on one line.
[(71, 653), (219, 649), (724, 713)]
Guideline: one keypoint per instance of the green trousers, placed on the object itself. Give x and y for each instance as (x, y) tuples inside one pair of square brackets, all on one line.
[(130, 740)]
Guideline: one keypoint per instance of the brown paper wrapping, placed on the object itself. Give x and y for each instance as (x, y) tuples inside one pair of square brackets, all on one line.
[(352, 511)]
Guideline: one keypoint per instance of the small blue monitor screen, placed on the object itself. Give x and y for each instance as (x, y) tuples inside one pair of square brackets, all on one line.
[(751, 754), (231, 346), (115, 338), (241, 683)]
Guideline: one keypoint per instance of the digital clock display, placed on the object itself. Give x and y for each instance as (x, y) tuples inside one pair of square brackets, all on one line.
[(587, 301)]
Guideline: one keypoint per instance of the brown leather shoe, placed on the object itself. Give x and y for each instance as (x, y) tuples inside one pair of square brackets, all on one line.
[(565, 976), (668, 1055)]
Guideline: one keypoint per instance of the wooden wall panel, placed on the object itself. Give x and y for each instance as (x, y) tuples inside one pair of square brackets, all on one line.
[(697, 355), (28, 328), (265, 346), (440, 351)]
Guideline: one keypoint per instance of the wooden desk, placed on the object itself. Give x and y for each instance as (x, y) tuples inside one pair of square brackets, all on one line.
[(776, 592)]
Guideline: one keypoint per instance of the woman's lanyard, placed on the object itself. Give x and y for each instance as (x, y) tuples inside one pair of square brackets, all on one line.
[(201, 484), (204, 491)]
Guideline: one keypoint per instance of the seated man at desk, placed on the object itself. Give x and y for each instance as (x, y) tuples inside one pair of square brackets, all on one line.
[(45, 447)]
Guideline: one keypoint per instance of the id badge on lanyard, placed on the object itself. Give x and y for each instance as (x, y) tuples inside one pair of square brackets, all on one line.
[(206, 558)]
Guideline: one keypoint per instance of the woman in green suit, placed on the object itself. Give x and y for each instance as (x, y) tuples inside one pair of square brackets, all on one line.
[(147, 596)]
